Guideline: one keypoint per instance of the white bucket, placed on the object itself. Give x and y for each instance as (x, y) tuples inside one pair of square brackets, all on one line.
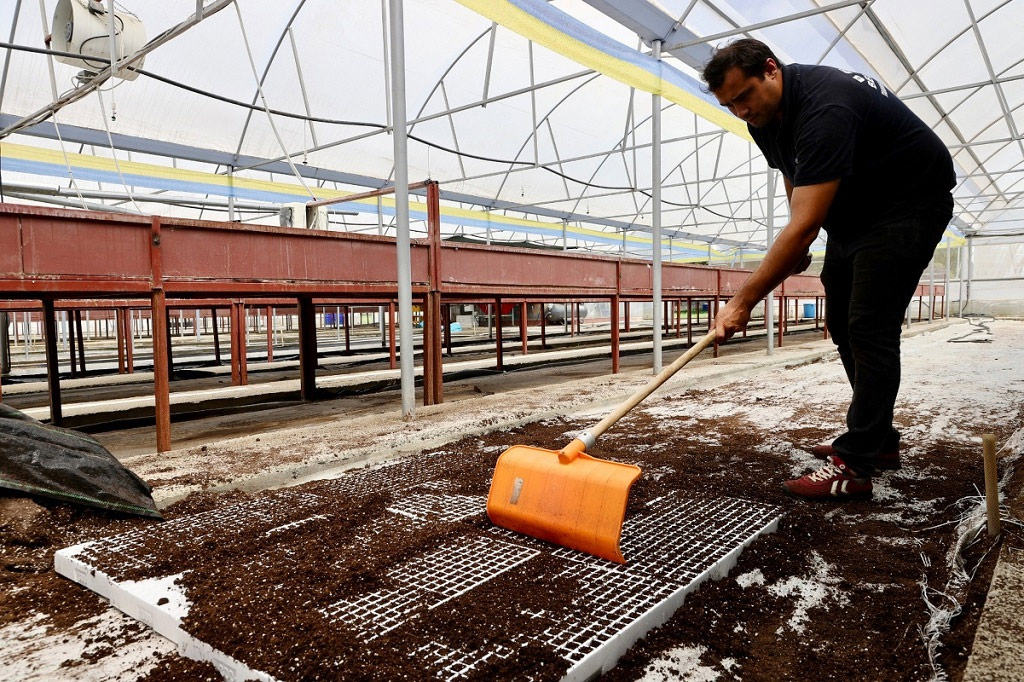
[(82, 31)]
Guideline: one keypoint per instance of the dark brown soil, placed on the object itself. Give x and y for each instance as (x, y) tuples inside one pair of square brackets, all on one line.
[(174, 668), (32, 529), (868, 628)]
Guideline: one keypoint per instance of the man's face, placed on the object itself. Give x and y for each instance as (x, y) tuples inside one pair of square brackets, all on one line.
[(758, 101)]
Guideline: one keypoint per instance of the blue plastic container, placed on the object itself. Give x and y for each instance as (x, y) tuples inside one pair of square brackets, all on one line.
[(808, 310)]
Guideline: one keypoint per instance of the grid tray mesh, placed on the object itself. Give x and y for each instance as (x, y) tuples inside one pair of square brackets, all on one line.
[(673, 544)]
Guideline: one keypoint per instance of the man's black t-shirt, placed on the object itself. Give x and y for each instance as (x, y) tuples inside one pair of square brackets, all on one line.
[(840, 125)]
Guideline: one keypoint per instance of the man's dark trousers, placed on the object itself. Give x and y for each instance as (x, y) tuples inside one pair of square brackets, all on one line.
[(869, 281)]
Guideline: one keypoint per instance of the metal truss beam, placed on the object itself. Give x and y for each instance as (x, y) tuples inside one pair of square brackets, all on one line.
[(652, 23)]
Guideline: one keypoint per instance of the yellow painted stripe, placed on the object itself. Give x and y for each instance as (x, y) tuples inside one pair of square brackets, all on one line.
[(532, 28), (452, 213)]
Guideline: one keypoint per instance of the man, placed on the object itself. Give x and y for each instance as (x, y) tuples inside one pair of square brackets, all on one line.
[(856, 161)]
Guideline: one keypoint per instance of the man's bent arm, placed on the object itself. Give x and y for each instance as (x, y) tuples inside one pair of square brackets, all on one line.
[(809, 205)]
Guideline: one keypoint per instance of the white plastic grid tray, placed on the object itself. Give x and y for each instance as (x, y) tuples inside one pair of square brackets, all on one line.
[(677, 543)]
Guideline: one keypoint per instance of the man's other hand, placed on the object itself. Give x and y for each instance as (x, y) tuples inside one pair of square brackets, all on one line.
[(731, 318)]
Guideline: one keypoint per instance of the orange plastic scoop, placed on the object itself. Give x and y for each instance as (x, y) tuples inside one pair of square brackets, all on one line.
[(566, 496)]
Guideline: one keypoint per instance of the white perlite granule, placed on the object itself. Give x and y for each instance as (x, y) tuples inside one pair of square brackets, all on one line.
[(681, 664), (811, 592), (754, 577)]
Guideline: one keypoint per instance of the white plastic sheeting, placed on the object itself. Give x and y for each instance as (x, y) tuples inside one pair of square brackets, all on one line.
[(556, 145)]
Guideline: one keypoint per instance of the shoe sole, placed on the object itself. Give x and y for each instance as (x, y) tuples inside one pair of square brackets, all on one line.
[(836, 498)]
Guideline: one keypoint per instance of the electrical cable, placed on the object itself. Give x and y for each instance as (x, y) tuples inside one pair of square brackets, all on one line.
[(980, 327), (113, 152), (378, 126), (56, 125), (263, 98)]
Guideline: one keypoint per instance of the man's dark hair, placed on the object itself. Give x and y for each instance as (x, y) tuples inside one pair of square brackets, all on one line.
[(748, 54)]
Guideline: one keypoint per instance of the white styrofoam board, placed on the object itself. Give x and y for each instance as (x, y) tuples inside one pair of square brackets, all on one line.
[(139, 599)]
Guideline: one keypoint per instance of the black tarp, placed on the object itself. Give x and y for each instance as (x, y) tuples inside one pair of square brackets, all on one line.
[(46, 460)]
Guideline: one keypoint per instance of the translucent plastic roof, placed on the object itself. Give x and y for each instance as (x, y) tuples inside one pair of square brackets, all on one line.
[(534, 116)]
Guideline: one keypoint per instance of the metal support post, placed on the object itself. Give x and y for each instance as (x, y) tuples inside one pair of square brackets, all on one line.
[(393, 362), (931, 289), (170, 344), (656, 217), (713, 314), (403, 245), (543, 327), (81, 341), (307, 348), (782, 318), (769, 302), (270, 333), (945, 290), (432, 320), (970, 270), (129, 342), (689, 321), (5, 346), (52, 362), (161, 342), (236, 374), (615, 333), (522, 326), (960, 282), (448, 328), (119, 328), (161, 370), (72, 344), (216, 335), (497, 335), (347, 312)]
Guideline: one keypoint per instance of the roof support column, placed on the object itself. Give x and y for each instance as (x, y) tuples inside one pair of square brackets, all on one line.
[(216, 335), (931, 289), (129, 340), (960, 283), (970, 271), (769, 312), (402, 209), (52, 361), (5, 348), (656, 217), (945, 290), (161, 342), (307, 348)]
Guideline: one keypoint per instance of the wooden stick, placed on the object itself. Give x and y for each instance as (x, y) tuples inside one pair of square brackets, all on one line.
[(991, 483)]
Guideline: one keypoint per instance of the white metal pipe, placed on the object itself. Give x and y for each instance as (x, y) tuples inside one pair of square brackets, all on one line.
[(931, 289), (970, 269), (769, 305), (656, 216), (960, 282), (403, 243), (945, 297)]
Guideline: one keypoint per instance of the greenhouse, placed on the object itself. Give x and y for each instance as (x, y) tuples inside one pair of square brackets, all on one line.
[(511, 339)]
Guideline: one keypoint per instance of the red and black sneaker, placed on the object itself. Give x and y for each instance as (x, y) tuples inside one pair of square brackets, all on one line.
[(834, 480), (886, 460)]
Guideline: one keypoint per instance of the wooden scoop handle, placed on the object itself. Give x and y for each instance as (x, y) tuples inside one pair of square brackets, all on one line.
[(586, 439)]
